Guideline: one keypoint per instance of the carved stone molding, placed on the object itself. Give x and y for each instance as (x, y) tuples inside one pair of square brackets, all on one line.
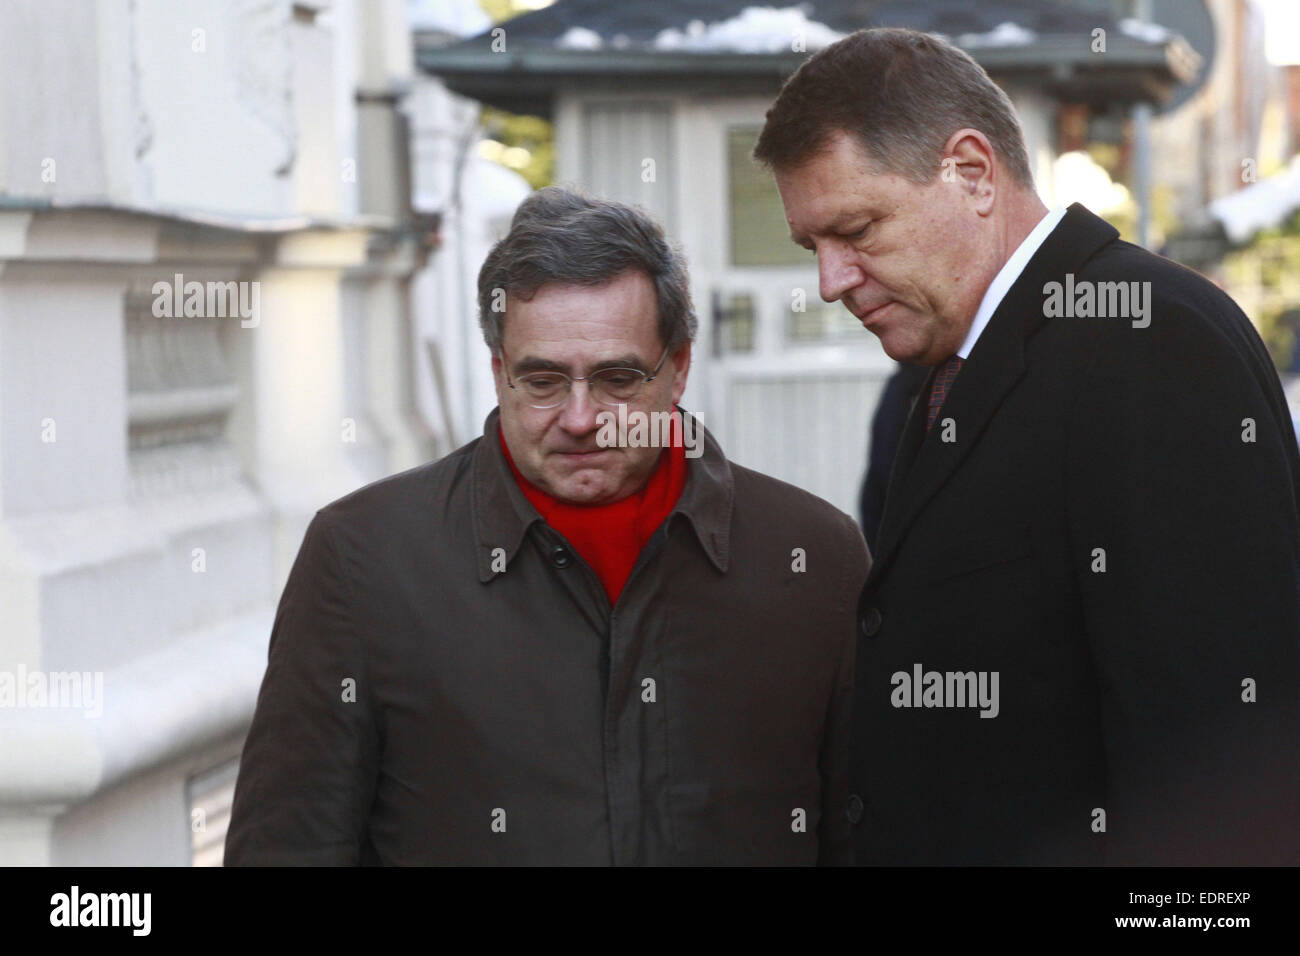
[(180, 394)]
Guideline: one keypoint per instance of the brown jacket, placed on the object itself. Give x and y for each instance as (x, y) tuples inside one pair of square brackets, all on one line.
[(422, 707)]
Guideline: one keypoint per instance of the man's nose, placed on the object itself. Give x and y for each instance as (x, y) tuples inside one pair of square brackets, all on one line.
[(838, 271), (578, 416)]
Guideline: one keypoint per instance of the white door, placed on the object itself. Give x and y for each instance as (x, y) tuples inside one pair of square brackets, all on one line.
[(791, 381)]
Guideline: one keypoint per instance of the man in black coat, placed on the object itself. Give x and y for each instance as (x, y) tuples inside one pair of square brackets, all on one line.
[(1080, 637)]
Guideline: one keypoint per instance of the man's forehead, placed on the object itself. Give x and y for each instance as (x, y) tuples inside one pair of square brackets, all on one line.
[(574, 315), (835, 155), (628, 284), (575, 346), (830, 211), (825, 201)]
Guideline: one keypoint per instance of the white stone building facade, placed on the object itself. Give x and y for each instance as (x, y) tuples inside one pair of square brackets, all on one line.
[(157, 470)]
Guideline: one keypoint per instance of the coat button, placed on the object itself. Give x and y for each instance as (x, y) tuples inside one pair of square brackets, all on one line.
[(869, 623), (560, 556), (853, 810)]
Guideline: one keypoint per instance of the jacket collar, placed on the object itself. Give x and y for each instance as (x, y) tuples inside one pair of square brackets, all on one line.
[(923, 462), (502, 514)]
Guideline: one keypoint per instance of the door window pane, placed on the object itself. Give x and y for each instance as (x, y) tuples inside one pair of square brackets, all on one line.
[(759, 234)]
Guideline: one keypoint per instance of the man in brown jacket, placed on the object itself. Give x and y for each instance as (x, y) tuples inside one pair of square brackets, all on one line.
[(564, 643)]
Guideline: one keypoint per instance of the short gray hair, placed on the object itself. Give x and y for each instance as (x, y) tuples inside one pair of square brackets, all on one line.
[(560, 235), (901, 94)]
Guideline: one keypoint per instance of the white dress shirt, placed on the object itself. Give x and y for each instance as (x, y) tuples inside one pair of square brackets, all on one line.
[(1008, 275)]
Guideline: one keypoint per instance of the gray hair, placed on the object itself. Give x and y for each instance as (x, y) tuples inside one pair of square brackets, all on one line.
[(559, 235), (901, 94)]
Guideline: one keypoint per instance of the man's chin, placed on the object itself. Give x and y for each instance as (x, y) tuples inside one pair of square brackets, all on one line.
[(906, 349), (900, 350), (585, 486), (586, 493)]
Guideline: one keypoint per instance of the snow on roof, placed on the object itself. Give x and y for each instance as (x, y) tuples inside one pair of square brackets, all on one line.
[(579, 38), (1148, 32), (753, 30), (1004, 34), (1259, 206)]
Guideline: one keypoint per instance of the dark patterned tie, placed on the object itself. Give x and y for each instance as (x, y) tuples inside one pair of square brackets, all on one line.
[(939, 391)]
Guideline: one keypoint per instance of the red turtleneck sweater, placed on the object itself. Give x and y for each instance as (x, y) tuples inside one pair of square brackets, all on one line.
[(610, 537)]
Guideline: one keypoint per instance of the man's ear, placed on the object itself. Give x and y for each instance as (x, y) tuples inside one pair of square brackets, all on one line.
[(681, 368), (970, 156)]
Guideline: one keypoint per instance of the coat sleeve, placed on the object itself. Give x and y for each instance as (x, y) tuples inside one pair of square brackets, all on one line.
[(834, 833), (1185, 540), (309, 765)]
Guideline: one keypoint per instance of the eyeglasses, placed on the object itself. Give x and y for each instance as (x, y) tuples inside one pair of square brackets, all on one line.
[(609, 386)]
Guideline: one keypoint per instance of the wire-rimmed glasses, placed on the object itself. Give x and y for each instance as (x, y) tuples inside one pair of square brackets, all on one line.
[(609, 386)]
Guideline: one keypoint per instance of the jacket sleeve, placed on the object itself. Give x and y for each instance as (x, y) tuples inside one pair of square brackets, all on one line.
[(1183, 517), (309, 765), (834, 832)]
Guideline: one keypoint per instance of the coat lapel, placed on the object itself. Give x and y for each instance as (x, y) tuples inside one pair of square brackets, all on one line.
[(924, 462)]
